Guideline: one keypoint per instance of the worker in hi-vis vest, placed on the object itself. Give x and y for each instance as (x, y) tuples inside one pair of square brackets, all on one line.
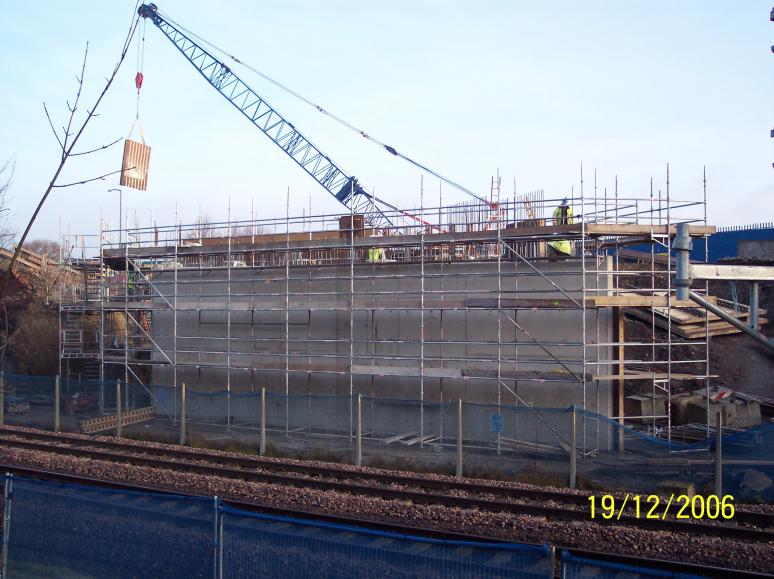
[(375, 254), (562, 216)]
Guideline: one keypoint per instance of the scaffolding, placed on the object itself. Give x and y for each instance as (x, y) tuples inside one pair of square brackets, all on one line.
[(466, 301)]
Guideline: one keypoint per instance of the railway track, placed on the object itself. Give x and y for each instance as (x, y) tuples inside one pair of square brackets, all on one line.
[(488, 497), (660, 564)]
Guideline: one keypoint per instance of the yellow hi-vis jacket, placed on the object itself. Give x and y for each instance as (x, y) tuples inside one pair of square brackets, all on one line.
[(562, 246), (562, 216), (375, 254)]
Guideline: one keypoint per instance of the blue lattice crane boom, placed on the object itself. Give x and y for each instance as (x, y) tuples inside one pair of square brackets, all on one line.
[(345, 188)]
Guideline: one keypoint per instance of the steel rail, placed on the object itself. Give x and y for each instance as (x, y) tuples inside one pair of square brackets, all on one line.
[(246, 468)]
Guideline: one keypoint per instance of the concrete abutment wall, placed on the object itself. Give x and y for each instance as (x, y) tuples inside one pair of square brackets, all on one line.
[(237, 318)]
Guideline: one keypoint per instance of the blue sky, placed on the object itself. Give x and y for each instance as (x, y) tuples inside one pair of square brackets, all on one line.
[(533, 89)]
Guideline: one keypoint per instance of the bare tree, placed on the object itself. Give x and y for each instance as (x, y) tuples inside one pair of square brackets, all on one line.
[(49, 274), (205, 228), (69, 138), (35, 341), (202, 228), (47, 247), (248, 230), (6, 178)]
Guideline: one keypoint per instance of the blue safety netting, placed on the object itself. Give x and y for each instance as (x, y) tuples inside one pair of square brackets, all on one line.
[(574, 567), (748, 464), (256, 545), (609, 456), (67, 530), (63, 530)]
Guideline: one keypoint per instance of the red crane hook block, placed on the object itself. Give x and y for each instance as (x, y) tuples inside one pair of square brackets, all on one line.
[(138, 80)]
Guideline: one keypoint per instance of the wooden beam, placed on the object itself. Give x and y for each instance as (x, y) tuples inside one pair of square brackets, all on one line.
[(618, 321), (641, 301)]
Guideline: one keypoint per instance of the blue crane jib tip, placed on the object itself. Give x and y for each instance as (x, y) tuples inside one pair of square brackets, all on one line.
[(147, 10)]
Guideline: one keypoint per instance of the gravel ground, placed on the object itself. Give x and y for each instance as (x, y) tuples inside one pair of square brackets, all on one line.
[(585, 535), (516, 486)]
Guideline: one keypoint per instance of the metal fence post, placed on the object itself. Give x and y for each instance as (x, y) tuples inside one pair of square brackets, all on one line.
[(262, 447), (118, 408), (359, 437), (7, 504), (459, 437), (573, 447), (57, 396), (183, 410), (220, 546), (217, 530), (552, 557), (2, 398), (719, 455)]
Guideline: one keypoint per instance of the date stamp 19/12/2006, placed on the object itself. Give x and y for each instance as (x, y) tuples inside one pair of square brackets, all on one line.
[(658, 507)]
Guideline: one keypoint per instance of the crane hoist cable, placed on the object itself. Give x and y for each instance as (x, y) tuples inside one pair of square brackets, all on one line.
[(140, 63), (350, 126), (138, 78), (136, 158)]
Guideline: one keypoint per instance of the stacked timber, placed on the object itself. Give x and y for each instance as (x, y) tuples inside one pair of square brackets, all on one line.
[(689, 323)]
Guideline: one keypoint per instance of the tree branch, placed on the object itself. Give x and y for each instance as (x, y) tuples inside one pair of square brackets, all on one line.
[(6, 179), (93, 178), (51, 124), (95, 150), (67, 151), (77, 97)]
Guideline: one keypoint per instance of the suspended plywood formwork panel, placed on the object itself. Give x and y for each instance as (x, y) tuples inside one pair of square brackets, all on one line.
[(134, 168)]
